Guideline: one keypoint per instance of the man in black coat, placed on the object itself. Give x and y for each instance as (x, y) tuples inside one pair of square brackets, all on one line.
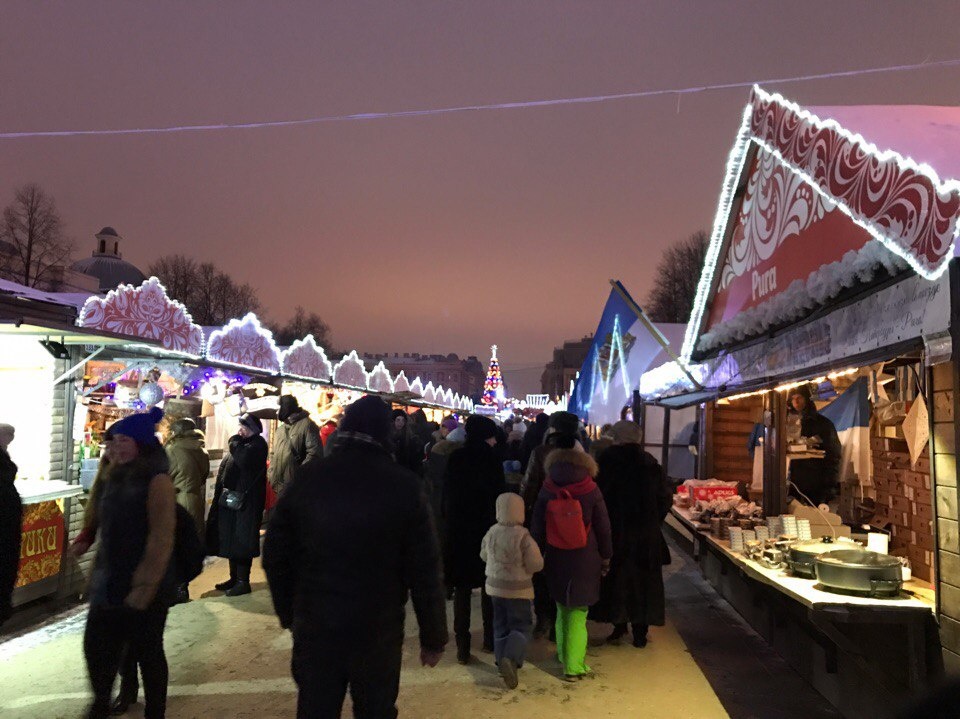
[(815, 478), (11, 519), (342, 552), (472, 482)]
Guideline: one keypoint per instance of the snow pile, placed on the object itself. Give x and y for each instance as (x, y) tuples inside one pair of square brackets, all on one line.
[(801, 298)]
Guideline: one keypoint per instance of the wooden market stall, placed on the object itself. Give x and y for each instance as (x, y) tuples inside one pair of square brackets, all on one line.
[(831, 267)]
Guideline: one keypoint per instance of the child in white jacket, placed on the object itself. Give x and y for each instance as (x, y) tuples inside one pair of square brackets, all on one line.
[(512, 558)]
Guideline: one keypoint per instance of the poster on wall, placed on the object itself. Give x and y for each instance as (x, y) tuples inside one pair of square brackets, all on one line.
[(41, 545)]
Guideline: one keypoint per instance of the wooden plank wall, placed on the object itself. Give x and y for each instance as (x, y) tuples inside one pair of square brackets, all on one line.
[(731, 428), (944, 447)]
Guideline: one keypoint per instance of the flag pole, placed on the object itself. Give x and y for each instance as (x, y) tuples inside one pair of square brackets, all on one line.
[(654, 332)]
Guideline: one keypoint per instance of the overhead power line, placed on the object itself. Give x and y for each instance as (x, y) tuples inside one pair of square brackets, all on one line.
[(363, 116)]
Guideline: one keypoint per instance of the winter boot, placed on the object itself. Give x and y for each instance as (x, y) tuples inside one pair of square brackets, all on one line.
[(224, 586), (238, 589), (619, 631)]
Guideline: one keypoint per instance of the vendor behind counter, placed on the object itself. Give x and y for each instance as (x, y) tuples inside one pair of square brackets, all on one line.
[(818, 479)]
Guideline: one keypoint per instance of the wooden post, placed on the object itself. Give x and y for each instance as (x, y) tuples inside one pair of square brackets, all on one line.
[(774, 454)]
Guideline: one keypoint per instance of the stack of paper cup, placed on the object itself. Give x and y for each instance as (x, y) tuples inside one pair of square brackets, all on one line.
[(803, 529), (749, 535), (775, 525), (736, 539), (789, 525), (878, 542), (763, 533)]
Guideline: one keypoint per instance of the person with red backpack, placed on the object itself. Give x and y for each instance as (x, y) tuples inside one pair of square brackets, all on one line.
[(571, 525)]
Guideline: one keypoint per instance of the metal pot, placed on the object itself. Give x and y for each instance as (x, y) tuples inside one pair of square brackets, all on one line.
[(860, 571), (802, 555)]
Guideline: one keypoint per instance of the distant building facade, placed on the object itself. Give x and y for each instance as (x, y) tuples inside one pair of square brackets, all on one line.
[(464, 376), (562, 369)]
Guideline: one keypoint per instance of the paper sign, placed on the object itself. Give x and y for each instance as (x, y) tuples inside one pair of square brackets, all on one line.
[(916, 429)]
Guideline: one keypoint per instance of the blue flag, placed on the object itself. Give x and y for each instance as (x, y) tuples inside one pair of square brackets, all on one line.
[(623, 349)]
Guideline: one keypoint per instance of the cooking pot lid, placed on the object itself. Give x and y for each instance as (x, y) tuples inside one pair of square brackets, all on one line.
[(815, 546), (858, 558)]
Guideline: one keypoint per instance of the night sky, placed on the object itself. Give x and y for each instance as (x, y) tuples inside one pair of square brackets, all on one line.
[(435, 234)]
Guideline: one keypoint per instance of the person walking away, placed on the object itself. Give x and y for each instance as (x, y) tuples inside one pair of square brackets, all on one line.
[(571, 525), (349, 541), (295, 443), (452, 437), (512, 558), (189, 468), (561, 433), (132, 581), (233, 527), (472, 482), (638, 497), (533, 438), (11, 524), (603, 442)]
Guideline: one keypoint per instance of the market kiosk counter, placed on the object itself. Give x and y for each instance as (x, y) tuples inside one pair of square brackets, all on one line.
[(46, 514), (866, 655)]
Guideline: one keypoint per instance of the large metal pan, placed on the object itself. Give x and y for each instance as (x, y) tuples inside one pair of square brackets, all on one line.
[(860, 571)]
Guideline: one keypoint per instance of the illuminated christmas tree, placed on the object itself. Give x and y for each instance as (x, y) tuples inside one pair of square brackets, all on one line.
[(493, 386)]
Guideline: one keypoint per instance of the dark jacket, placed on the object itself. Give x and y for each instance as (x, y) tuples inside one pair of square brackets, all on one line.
[(817, 478), (235, 534), (471, 484), (348, 540), (436, 470), (189, 467), (296, 442), (11, 522), (638, 497), (573, 575)]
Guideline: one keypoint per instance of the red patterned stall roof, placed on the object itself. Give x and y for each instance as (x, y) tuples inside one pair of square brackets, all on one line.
[(245, 343), (904, 194), (146, 312)]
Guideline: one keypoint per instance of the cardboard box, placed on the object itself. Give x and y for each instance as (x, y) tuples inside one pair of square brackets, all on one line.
[(920, 556), (925, 541), (923, 511), (710, 493), (921, 525), (888, 443), (922, 465), (900, 503)]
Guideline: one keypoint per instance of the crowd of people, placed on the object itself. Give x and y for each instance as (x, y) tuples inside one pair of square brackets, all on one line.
[(382, 508)]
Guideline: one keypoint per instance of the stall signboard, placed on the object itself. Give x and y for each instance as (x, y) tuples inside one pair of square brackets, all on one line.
[(906, 311), (41, 544)]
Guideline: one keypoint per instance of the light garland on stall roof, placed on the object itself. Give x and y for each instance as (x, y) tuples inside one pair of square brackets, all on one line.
[(790, 385), (735, 164)]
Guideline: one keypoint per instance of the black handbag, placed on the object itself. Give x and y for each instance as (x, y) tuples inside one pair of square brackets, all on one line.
[(232, 499)]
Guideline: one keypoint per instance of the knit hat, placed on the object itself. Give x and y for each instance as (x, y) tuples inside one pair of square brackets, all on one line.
[(625, 432), (450, 423), (565, 422), (288, 405), (184, 425), (480, 428), (252, 423), (139, 427), (457, 435), (368, 415)]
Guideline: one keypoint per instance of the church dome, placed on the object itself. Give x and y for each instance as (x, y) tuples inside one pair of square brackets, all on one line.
[(107, 264)]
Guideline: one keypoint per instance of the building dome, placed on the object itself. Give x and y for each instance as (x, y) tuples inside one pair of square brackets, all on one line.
[(107, 264)]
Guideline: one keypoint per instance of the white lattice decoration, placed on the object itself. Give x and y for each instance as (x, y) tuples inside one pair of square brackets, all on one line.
[(246, 343), (379, 379), (146, 312), (429, 394), (401, 383), (417, 387), (448, 400), (350, 371), (305, 358), (455, 401)]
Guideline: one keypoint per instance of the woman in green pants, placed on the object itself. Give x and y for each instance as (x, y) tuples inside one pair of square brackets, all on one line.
[(571, 525)]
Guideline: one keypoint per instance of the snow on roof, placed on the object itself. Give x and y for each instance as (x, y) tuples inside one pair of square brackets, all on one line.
[(68, 299)]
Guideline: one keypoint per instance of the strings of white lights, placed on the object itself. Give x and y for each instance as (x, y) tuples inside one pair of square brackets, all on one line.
[(363, 116)]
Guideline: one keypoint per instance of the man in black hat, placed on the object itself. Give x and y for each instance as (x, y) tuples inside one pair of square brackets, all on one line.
[(296, 442), (815, 478), (342, 553)]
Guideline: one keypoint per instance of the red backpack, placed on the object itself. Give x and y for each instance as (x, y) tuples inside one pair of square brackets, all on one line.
[(565, 526)]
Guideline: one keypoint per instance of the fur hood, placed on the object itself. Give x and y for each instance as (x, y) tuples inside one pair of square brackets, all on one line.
[(576, 457)]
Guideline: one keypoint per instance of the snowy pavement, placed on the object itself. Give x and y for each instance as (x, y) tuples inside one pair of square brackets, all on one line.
[(229, 658)]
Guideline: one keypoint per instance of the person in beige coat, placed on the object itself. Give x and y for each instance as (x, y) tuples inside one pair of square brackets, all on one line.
[(512, 558), (189, 468)]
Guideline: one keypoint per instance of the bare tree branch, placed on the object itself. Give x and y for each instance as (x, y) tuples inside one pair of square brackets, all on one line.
[(675, 284), (32, 226)]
